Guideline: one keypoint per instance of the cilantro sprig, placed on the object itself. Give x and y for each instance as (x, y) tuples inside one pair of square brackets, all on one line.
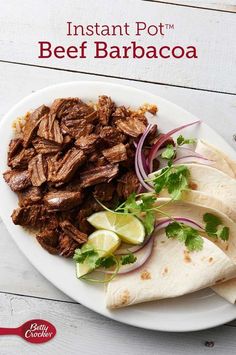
[(141, 206), (89, 255), (170, 151), (173, 178), (185, 234), (191, 236)]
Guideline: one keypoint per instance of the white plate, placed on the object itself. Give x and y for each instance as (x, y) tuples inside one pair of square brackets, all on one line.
[(200, 310)]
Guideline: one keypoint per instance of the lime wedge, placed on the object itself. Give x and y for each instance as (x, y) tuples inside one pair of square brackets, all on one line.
[(104, 242), (129, 228)]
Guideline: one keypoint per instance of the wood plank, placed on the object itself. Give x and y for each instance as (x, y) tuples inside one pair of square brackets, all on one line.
[(18, 81), (226, 5), (19, 38), (80, 331)]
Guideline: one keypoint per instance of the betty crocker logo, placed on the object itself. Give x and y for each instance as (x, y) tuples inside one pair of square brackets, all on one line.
[(35, 331)]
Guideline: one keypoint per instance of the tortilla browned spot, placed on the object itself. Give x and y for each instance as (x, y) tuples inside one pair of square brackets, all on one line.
[(145, 275), (165, 271), (125, 297), (187, 258), (210, 259)]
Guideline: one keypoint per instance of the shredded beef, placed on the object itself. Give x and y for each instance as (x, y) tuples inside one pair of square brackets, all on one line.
[(63, 170), (89, 206), (14, 148), (44, 146), (49, 129), (133, 127), (127, 184), (111, 136), (67, 245), (73, 108), (73, 232), (69, 157), (88, 143), (17, 179), (76, 127), (63, 200), (116, 153), (49, 240), (105, 108), (120, 112), (37, 170), (29, 196), (97, 175), (22, 159), (32, 124), (32, 216), (104, 191)]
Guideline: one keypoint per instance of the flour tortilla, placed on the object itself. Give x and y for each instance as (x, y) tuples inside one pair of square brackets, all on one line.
[(214, 183), (171, 271), (220, 160)]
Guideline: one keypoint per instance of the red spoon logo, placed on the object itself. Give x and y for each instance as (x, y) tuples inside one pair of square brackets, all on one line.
[(35, 331)]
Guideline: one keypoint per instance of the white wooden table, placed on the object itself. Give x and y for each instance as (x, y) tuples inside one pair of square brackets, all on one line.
[(206, 87)]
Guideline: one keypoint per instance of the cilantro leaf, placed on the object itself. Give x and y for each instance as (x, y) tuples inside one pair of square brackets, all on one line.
[(160, 180), (106, 262), (194, 243), (128, 259), (88, 253), (147, 201), (174, 178), (169, 152), (181, 140), (130, 205), (149, 221), (223, 233), (214, 227), (183, 233)]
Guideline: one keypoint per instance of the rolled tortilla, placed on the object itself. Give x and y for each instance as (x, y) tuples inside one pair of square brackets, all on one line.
[(171, 270)]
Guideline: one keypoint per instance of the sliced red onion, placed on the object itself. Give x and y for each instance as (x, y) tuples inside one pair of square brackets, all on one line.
[(139, 151), (142, 257), (162, 140), (164, 223), (192, 159), (139, 168), (133, 249)]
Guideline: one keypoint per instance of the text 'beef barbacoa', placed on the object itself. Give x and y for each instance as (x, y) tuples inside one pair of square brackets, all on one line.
[(67, 156)]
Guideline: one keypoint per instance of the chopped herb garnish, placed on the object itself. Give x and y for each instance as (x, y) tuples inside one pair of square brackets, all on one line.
[(214, 227), (169, 152), (88, 253), (106, 262), (128, 259), (181, 140), (174, 178), (141, 206), (185, 234)]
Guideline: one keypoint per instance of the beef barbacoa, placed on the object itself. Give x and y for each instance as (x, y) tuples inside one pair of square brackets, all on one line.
[(67, 156)]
